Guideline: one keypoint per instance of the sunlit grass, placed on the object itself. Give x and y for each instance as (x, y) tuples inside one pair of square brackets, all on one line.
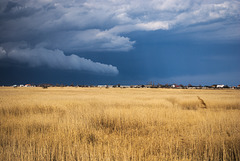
[(119, 124)]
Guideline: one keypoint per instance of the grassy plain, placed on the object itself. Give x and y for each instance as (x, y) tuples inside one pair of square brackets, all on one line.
[(119, 124)]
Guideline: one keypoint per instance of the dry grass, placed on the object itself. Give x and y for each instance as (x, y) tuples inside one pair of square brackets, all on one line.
[(119, 124)]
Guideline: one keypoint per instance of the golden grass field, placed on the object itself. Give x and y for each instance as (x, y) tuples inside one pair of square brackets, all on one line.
[(118, 124)]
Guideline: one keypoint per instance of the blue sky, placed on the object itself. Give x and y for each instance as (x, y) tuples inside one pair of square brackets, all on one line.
[(126, 42)]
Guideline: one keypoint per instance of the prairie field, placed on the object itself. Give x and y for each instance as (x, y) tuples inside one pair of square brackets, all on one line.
[(72, 123)]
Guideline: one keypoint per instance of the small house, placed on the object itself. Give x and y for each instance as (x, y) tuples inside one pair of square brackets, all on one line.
[(220, 86)]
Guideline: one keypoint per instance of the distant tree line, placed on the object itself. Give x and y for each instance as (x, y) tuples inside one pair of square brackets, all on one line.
[(149, 85)]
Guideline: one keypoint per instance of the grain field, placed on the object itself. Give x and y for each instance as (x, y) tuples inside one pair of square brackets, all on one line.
[(119, 124)]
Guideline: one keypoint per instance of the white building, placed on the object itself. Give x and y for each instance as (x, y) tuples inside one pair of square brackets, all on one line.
[(220, 86)]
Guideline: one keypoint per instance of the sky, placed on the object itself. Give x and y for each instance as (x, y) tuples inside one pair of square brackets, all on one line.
[(120, 42)]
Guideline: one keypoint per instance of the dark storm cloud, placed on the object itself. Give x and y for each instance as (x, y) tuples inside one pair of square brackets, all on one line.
[(50, 28), (55, 59)]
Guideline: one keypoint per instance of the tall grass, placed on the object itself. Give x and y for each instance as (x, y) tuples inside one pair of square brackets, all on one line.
[(119, 124)]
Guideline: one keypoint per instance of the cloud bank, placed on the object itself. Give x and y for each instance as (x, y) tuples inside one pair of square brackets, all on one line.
[(56, 59), (55, 27)]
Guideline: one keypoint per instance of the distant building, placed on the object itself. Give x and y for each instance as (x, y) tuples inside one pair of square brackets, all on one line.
[(147, 86), (220, 86), (125, 86)]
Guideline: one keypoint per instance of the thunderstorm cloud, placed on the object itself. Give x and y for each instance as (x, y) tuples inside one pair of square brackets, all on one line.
[(51, 28)]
